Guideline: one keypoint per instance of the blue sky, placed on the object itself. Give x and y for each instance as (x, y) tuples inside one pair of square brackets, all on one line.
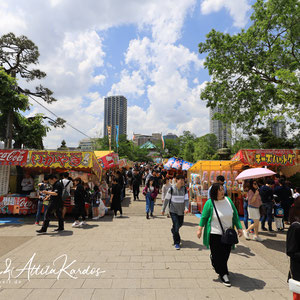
[(145, 50)]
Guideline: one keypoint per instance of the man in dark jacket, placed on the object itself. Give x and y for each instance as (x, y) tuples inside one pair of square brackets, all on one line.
[(266, 194), (56, 204)]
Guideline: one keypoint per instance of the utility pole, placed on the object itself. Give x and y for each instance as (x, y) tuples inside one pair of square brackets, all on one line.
[(8, 137)]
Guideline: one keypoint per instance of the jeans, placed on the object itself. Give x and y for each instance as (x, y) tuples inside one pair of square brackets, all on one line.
[(39, 210), (268, 207), (177, 223), (149, 203)]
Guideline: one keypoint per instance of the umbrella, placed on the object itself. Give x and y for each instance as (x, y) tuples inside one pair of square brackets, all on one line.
[(254, 173)]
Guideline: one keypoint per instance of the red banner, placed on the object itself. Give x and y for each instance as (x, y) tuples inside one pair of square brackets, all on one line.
[(273, 157), (109, 161), (13, 157), (17, 205)]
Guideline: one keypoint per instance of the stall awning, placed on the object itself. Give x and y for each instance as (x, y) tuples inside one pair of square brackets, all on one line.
[(13, 157), (64, 160), (214, 165), (267, 157)]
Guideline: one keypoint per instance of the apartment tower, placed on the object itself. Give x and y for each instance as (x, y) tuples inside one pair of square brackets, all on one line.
[(115, 113)]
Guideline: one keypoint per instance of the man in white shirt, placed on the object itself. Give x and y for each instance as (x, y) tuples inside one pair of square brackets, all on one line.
[(68, 184), (27, 184)]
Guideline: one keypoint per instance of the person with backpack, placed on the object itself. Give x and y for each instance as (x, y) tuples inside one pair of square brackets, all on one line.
[(266, 195), (136, 182), (177, 199), (66, 195)]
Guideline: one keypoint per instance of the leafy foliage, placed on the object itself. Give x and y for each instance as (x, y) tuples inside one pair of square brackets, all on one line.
[(255, 73)]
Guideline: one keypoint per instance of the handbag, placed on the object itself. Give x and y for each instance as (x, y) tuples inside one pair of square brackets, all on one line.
[(294, 285), (229, 236)]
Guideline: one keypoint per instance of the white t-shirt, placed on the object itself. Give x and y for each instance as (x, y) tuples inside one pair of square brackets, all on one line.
[(27, 184), (69, 186), (225, 212)]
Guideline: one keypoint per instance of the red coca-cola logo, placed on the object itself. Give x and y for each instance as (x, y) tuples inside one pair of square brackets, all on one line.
[(25, 203), (13, 156)]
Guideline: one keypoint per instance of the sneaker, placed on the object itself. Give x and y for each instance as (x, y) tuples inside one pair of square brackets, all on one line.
[(95, 218), (75, 224), (151, 215), (264, 229), (41, 231), (257, 238), (147, 216), (83, 223), (58, 229), (271, 230), (177, 247), (37, 223), (225, 280), (246, 234)]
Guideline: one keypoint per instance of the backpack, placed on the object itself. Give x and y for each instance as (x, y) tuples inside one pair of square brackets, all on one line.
[(65, 193)]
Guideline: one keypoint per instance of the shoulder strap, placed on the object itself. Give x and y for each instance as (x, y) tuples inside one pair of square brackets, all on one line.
[(67, 183), (171, 192), (213, 202)]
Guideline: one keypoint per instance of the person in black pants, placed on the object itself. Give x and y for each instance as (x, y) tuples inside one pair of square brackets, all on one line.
[(284, 193), (79, 201), (266, 194), (56, 205), (136, 182), (115, 197)]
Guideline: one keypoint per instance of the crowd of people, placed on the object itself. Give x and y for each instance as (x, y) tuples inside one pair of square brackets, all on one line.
[(265, 201)]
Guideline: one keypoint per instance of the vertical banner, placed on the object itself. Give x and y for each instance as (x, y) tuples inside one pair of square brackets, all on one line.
[(117, 136), (109, 136), (163, 141)]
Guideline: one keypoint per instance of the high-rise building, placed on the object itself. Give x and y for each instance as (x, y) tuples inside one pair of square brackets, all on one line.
[(115, 113), (220, 129), (278, 129)]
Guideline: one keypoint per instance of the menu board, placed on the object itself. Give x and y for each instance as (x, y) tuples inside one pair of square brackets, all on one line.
[(4, 179)]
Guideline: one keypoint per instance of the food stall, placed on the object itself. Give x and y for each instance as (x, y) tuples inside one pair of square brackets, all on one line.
[(204, 173), (82, 164), (176, 166), (282, 161)]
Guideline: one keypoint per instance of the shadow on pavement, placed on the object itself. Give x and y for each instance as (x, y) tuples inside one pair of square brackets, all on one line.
[(55, 234), (243, 251), (126, 202), (278, 245), (192, 245), (245, 283), (190, 224)]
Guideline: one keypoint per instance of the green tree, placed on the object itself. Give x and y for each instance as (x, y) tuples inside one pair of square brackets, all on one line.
[(189, 149), (254, 72), (206, 147), (245, 143), (173, 147), (186, 138), (17, 56)]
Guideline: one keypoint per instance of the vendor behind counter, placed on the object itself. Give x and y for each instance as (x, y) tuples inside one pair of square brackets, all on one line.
[(27, 184)]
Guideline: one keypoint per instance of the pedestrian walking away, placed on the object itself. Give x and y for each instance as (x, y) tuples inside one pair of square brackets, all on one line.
[(150, 191), (213, 232), (79, 201), (43, 200), (177, 200), (116, 197), (55, 204), (266, 194), (136, 182)]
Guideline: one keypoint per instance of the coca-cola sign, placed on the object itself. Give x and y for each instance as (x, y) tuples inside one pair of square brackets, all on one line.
[(13, 157)]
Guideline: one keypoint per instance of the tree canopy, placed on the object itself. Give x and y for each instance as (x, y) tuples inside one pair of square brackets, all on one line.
[(255, 74), (17, 55)]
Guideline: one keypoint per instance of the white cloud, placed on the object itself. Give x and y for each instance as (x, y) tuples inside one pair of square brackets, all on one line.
[(69, 35), (238, 9), (129, 85)]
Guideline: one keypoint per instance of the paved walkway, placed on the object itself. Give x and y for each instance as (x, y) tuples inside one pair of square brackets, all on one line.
[(138, 259)]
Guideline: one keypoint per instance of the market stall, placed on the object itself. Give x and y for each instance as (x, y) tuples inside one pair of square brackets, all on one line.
[(204, 173), (282, 161), (81, 164), (175, 166)]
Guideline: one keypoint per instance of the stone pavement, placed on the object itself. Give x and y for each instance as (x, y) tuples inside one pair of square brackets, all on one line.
[(138, 259)]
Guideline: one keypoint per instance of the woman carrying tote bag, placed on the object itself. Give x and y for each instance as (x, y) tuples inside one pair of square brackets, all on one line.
[(219, 214)]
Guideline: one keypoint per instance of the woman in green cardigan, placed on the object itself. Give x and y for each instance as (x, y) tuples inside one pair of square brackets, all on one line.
[(212, 230)]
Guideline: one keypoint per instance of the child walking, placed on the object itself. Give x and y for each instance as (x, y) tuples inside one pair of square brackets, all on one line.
[(278, 214)]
